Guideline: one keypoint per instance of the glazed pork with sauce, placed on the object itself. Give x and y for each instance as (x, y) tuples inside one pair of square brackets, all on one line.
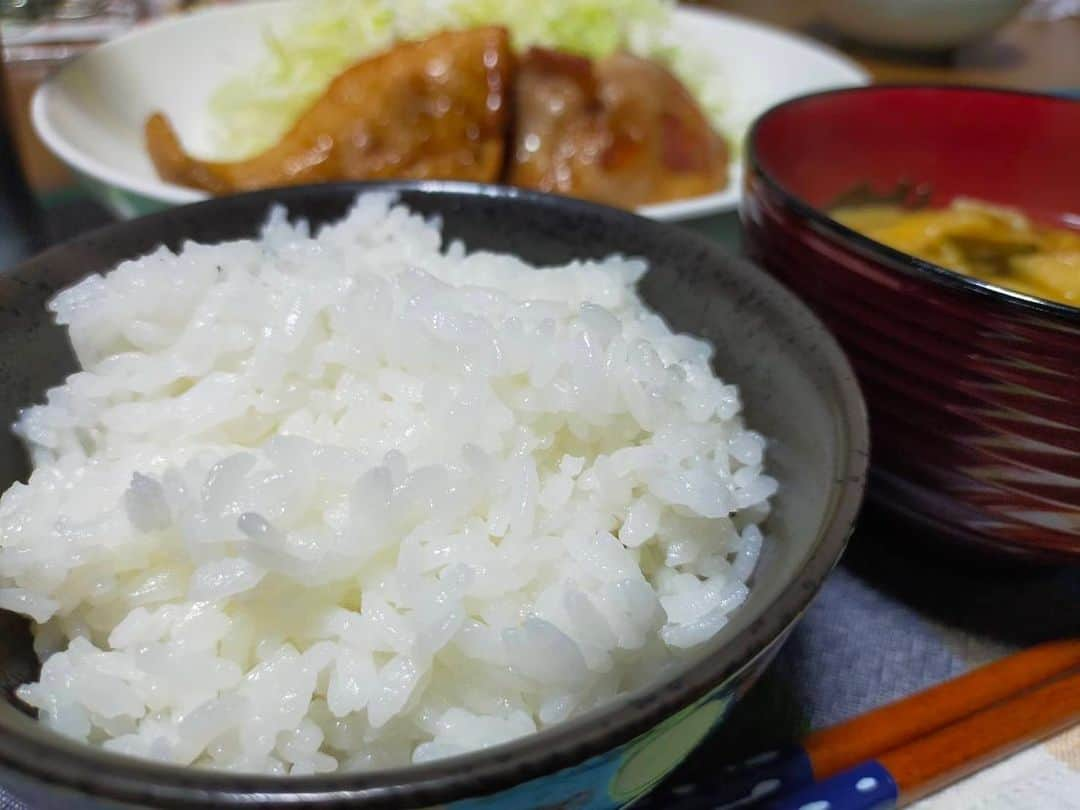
[(436, 108), (621, 130), (460, 106)]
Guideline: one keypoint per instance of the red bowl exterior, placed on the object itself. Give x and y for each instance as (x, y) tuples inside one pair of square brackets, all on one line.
[(974, 392)]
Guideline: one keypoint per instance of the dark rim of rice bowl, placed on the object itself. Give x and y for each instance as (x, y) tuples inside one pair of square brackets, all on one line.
[(29, 748)]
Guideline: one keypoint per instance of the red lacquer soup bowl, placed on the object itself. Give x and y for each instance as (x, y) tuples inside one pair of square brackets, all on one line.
[(974, 391)]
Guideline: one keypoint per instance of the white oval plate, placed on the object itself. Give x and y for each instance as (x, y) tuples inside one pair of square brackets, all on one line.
[(91, 113)]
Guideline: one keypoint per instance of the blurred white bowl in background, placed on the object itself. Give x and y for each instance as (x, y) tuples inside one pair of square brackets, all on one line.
[(925, 25)]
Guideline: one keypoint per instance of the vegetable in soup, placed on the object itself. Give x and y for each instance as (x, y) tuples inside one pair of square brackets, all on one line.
[(988, 242)]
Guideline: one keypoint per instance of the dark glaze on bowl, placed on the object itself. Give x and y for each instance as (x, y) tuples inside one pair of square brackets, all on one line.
[(797, 387), (974, 390)]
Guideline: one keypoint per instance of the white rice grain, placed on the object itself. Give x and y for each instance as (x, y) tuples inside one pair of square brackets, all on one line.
[(350, 501)]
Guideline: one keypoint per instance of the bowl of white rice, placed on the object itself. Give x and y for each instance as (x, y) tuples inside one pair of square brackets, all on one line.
[(401, 495)]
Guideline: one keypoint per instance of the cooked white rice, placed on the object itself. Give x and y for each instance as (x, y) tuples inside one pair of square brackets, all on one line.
[(355, 501)]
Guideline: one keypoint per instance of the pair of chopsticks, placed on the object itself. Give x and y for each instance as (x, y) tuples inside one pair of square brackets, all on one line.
[(901, 752)]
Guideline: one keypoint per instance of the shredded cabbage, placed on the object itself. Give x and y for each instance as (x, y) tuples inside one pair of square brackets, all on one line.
[(254, 109), (593, 28)]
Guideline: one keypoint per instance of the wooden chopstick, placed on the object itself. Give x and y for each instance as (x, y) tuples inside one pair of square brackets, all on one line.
[(870, 736), (906, 774), (969, 745), (867, 736)]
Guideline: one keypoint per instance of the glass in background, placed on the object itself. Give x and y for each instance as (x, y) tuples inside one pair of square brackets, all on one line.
[(1052, 10), (38, 36), (57, 9), (21, 232)]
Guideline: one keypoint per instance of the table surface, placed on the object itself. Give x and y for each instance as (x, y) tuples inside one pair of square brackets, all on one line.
[(901, 612)]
